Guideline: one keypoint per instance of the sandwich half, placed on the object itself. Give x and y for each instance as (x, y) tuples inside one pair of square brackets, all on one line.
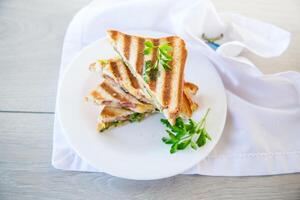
[(116, 71), (112, 116), (110, 94), (115, 116), (165, 89)]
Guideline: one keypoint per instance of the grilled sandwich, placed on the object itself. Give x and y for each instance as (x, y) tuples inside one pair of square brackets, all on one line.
[(166, 89), (111, 116), (116, 71)]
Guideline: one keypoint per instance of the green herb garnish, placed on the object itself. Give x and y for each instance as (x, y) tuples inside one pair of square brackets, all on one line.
[(148, 47), (147, 72), (163, 59), (182, 135), (136, 117)]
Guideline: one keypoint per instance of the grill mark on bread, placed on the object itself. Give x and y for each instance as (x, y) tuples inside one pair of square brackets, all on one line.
[(112, 92), (126, 45), (140, 55), (181, 72), (167, 85), (152, 83), (186, 106), (115, 70), (113, 34), (96, 95), (132, 79), (106, 112), (173, 82), (190, 88)]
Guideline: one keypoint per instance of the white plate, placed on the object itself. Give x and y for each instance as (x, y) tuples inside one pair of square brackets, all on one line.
[(135, 151)]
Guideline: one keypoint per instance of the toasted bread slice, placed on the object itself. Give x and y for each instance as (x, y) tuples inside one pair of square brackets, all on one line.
[(108, 93), (116, 116), (188, 106), (111, 116), (165, 90), (117, 71), (110, 113), (114, 69), (190, 88)]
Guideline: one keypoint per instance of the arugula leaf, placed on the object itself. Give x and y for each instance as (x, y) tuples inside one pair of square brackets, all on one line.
[(146, 71), (166, 123), (147, 51), (163, 55), (184, 144), (163, 59), (191, 127), (207, 136), (201, 139), (167, 140), (193, 145), (149, 44), (184, 134), (171, 135), (165, 47), (174, 148)]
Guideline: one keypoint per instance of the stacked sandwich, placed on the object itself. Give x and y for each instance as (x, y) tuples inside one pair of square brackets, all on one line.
[(147, 78)]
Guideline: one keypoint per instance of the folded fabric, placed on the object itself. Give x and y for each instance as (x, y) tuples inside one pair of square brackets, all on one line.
[(261, 136)]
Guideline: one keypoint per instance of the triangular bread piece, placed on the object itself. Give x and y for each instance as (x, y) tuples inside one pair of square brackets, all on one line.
[(166, 89), (108, 93), (116, 71)]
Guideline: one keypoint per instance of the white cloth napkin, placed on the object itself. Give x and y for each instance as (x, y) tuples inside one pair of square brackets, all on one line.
[(262, 133)]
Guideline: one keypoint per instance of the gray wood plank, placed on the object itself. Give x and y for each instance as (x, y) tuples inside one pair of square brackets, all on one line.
[(31, 36), (26, 173)]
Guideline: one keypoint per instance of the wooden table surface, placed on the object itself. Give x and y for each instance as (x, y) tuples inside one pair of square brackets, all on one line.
[(31, 36)]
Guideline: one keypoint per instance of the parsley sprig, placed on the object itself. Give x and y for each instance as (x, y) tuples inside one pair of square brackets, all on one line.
[(182, 135), (149, 73), (163, 59)]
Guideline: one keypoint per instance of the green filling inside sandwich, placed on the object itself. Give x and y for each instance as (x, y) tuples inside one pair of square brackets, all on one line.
[(112, 124), (135, 117)]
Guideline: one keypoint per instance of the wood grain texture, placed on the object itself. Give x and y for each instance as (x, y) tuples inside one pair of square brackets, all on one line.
[(31, 35), (26, 173)]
